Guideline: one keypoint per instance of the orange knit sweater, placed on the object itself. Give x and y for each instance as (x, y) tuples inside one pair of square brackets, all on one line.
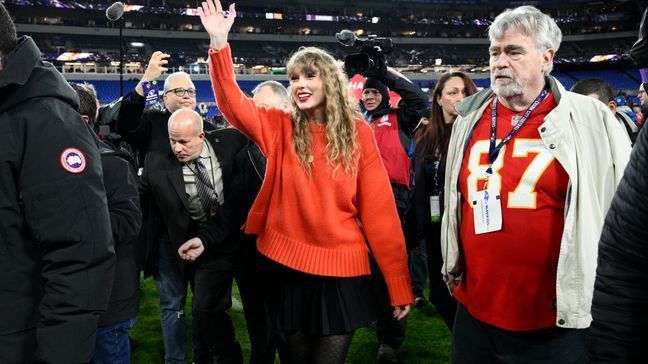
[(316, 224)]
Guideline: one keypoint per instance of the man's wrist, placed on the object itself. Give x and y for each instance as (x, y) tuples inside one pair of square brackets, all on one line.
[(146, 78)]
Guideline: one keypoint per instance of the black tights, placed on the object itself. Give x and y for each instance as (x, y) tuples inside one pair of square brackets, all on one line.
[(306, 349)]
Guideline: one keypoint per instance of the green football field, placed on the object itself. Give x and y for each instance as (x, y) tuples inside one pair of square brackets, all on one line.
[(427, 341)]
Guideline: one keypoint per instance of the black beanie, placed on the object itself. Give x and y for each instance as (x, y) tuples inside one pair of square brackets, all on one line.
[(371, 82)]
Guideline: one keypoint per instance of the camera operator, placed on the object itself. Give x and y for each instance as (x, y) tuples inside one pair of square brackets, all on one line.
[(393, 129)]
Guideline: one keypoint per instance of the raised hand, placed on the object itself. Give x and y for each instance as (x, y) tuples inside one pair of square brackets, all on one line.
[(155, 68), (216, 23)]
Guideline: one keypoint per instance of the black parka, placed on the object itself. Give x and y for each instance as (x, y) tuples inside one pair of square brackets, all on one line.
[(56, 250), (120, 181), (620, 304)]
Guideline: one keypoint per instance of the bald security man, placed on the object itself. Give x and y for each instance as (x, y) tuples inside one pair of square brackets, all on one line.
[(190, 185)]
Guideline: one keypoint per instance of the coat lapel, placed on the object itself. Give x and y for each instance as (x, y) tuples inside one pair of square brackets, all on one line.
[(218, 149), (177, 181)]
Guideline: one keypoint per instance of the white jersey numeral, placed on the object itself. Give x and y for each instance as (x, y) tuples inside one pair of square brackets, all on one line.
[(478, 170), (524, 196)]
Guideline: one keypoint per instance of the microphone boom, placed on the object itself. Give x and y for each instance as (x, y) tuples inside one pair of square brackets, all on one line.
[(115, 11), (346, 37)]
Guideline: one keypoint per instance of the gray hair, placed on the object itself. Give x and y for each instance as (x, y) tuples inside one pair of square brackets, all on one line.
[(192, 116), (276, 87), (532, 23), (167, 82)]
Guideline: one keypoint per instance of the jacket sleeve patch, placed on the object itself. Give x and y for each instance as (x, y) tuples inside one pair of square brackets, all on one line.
[(73, 160)]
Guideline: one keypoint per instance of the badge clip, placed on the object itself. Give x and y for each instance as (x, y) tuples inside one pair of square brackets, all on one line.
[(151, 93)]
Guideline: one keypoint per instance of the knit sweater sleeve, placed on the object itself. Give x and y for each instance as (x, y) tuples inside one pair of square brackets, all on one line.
[(262, 125), (379, 219)]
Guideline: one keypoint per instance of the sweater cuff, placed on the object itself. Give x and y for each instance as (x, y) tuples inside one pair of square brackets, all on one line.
[(221, 62), (400, 290)]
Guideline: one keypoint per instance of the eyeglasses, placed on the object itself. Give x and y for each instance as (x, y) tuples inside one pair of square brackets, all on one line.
[(181, 91)]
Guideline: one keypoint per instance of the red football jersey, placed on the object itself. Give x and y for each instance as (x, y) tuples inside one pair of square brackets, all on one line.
[(510, 277)]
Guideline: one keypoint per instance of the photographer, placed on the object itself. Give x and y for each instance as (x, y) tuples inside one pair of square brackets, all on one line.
[(147, 131), (393, 129)]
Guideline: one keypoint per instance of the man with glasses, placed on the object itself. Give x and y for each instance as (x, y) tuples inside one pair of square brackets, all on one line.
[(146, 130)]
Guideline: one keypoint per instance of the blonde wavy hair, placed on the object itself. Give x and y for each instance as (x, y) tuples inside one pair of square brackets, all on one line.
[(341, 112)]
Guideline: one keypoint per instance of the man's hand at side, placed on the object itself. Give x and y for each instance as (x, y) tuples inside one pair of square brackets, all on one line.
[(191, 250)]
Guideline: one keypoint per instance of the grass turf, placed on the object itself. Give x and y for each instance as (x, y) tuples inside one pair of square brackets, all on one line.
[(427, 340)]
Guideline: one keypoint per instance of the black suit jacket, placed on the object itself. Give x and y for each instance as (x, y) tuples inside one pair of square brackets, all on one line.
[(163, 190), (162, 186), (145, 130)]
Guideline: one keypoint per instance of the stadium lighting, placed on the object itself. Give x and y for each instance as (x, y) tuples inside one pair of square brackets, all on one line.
[(137, 44)]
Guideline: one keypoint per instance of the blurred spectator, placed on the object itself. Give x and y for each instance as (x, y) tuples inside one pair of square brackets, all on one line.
[(119, 177), (601, 90), (431, 150)]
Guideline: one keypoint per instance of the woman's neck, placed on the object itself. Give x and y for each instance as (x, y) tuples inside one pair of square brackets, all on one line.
[(316, 116), (448, 118)]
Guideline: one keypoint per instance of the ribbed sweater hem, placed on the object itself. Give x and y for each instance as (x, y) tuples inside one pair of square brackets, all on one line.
[(343, 262), (308, 258)]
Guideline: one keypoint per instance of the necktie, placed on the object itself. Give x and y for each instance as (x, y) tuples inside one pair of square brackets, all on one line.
[(206, 193)]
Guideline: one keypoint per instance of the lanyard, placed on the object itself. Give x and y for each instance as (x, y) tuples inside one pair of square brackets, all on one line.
[(410, 150), (493, 150), (368, 117)]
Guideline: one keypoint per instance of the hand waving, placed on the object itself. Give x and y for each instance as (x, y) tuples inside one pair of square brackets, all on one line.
[(216, 23)]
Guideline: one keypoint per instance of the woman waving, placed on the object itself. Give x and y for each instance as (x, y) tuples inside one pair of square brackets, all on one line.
[(324, 196)]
